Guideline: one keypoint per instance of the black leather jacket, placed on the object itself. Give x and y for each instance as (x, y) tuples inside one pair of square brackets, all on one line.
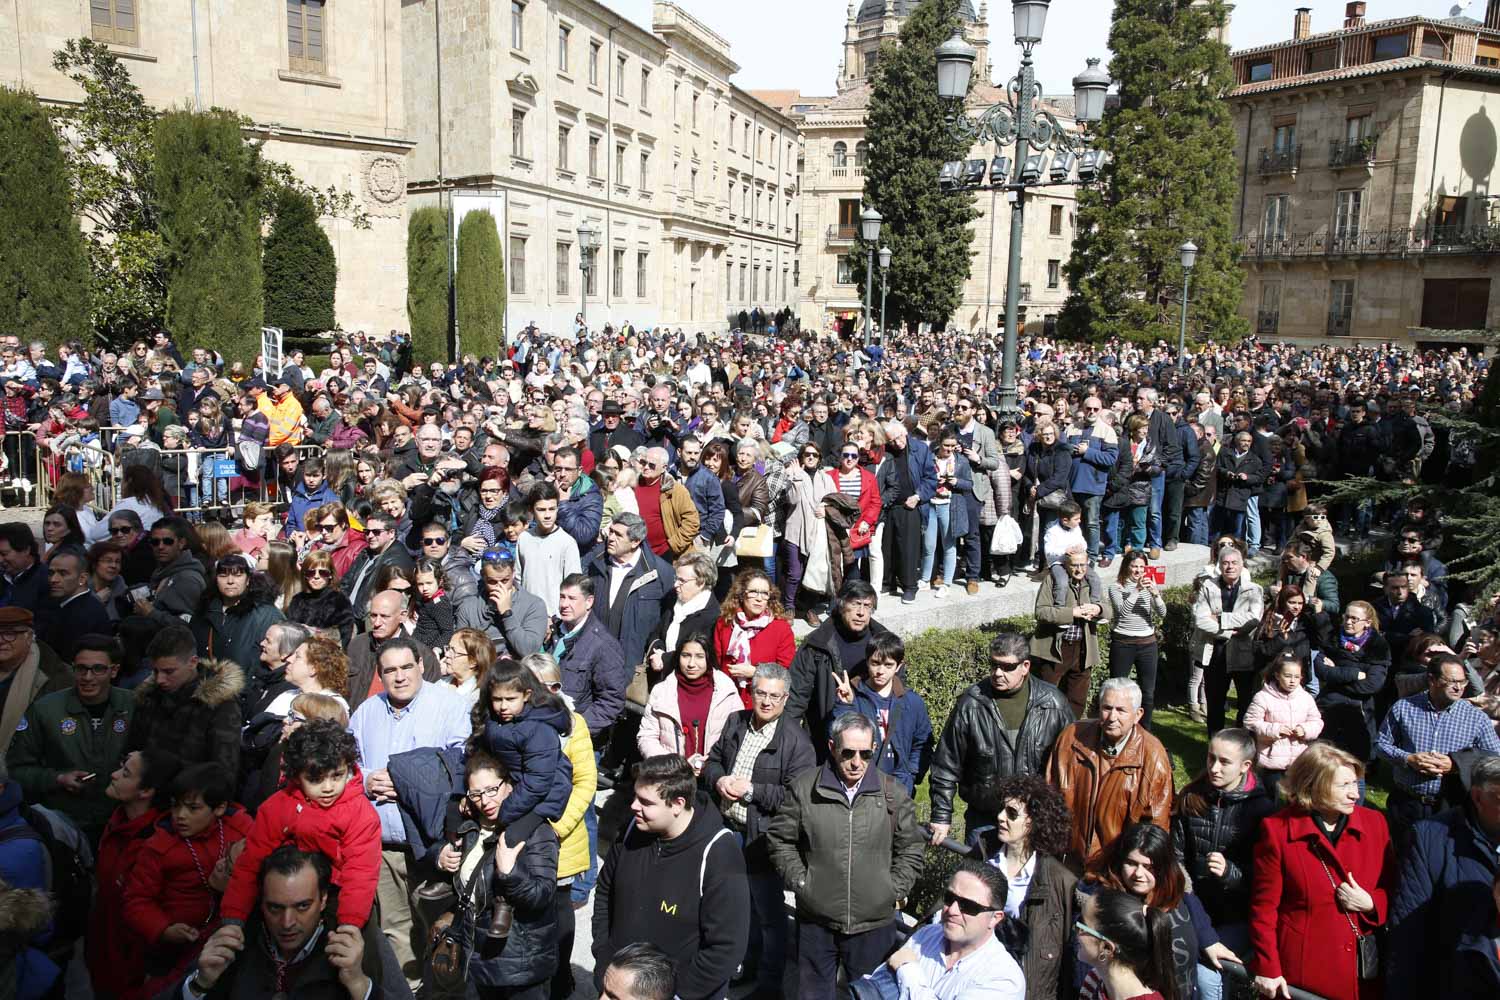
[(974, 752)]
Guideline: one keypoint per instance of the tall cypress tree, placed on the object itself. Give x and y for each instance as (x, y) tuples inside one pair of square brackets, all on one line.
[(208, 182), (928, 232), (300, 267), (479, 293), (44, 272), (1172, 179), (427, 283)]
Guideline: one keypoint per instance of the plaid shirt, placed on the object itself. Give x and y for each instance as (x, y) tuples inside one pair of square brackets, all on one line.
[(756, 740), (1415, 726)]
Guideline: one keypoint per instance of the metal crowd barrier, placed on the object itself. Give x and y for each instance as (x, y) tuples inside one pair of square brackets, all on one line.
[(26, 472)]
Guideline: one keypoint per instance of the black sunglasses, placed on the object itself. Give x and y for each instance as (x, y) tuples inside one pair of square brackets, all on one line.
[(434, 541), (848, 754), (162, 543), (121, 530), (967, 907)]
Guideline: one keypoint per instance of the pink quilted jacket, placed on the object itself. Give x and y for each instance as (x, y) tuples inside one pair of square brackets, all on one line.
[(1272, 708)]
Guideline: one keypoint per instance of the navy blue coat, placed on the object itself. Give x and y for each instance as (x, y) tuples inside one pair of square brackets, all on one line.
[(923, 471), (906, 751), (646, 595), (427, 780), (1444, 897), (594, 676), (580, 514), (530, 746)]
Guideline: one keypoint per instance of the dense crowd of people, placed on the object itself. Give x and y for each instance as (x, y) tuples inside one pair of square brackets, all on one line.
[(368, 679)]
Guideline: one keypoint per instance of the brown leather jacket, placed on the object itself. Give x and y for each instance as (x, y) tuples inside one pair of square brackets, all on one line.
[(1105, 795)]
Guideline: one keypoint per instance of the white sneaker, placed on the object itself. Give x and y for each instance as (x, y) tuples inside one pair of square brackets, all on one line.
[(937, 592)]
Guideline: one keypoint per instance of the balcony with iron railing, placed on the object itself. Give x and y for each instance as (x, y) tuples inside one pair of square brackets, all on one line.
[(1352, 152), (1267, 320), (1339, 324), (1280, 160), (843, 234), (1351, 242)]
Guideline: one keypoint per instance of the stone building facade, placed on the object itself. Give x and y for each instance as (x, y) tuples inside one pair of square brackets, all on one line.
[(565, 113), (832, 187), (321, 82), (1367, 204)]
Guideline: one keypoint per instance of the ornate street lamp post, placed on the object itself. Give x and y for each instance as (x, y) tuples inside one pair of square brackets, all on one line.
[(588, 243), (869, 229), (1189, 255), (1034, 131), (885, 265)]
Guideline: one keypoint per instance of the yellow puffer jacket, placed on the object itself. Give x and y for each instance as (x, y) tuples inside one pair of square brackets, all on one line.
[(573, 857)]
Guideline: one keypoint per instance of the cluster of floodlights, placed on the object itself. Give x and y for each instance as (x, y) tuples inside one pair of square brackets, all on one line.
[(959, 175)]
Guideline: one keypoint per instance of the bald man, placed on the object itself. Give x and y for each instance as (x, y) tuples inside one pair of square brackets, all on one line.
[(389, 616)]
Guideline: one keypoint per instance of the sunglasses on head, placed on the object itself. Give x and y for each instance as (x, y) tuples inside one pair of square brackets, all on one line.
[(498, 556), (850, 754)]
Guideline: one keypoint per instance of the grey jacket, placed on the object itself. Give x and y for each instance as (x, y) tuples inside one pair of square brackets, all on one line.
[(988, 450), (521, 630)]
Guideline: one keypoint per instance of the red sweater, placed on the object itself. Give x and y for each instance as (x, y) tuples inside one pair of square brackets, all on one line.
[(648, 501), (114, 952), (773, 644), (348, 833)]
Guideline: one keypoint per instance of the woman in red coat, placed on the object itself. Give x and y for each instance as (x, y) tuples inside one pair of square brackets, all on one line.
[(1322, 876), (850, 479), (112, 951), (753, 628)]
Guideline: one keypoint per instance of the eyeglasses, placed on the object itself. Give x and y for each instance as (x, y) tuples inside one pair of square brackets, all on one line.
[(295, 716), (329, 526), (771, 696), (1006, 665), (1013, 813), (433, 542), (480, 794), (1092, 409), (849, 454), (318, 573), (121, 529), (161, 543), (497, 555), (864, 755), (13, 634), (1084, 928), (371, 529), (758, 593), (967, 907), (93, 668)]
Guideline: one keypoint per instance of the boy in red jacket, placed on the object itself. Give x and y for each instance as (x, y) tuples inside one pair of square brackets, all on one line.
[(321, 806), (172, 894)]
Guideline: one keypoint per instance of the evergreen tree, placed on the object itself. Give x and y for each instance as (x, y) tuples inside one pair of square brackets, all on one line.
[(480, 287), (44, 276), (427, 283), (928, 231), (1171, 179), (207, 186), (300, 268)]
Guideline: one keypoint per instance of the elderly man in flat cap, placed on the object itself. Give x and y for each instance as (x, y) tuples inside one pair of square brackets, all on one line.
[(28, 670)]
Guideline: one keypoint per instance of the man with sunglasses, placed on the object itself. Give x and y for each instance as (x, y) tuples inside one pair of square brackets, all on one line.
[(960, 955), (178, 582), (380, 551), (845, 842), (68, 742)]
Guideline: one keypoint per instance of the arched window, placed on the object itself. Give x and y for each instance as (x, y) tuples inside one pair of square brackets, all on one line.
[(840, 154), (861, 154)]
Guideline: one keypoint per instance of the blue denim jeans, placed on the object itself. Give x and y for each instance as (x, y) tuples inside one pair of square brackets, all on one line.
[(583, 884), (1091, 506), (1112, 541), (1153, 519), (1197, 525), (937, 535), (1252, 524), (1235, 937)]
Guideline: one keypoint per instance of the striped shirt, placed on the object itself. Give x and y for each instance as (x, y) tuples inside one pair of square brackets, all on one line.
[(1414, 725), (1136, 611), (850, 483)]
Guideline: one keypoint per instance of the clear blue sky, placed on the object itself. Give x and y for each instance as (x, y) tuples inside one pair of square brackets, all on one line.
[(796, 44)]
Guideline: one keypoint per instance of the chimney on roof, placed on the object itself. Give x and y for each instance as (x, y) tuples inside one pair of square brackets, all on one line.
[(1492, 16), (1302, 23), (1354, 14)]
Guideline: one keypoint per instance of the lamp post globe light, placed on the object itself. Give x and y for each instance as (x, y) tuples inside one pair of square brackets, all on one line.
[(869, 230), (1035, 132), (885, 265), (588, 242), (1188, 254)]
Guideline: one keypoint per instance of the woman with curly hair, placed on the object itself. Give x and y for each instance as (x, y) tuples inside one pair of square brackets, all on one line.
[(321, 604), (753, 628), (1031, 831)]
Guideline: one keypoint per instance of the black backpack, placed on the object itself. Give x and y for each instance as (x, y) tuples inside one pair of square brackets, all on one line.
[(69, 874)]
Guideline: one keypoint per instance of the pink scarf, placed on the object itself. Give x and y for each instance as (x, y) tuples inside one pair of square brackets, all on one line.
[(743, 632)]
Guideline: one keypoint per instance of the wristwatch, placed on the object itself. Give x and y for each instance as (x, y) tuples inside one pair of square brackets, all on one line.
[(194, 988)]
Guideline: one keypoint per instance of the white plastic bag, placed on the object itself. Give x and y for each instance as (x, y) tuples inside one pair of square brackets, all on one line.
[(1006, 540)]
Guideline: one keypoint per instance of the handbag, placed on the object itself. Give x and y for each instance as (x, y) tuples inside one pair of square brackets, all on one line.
[(1369, 947), (450, 947), (756, 542), (1053, 500), (638, 691), (1006, 541)]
